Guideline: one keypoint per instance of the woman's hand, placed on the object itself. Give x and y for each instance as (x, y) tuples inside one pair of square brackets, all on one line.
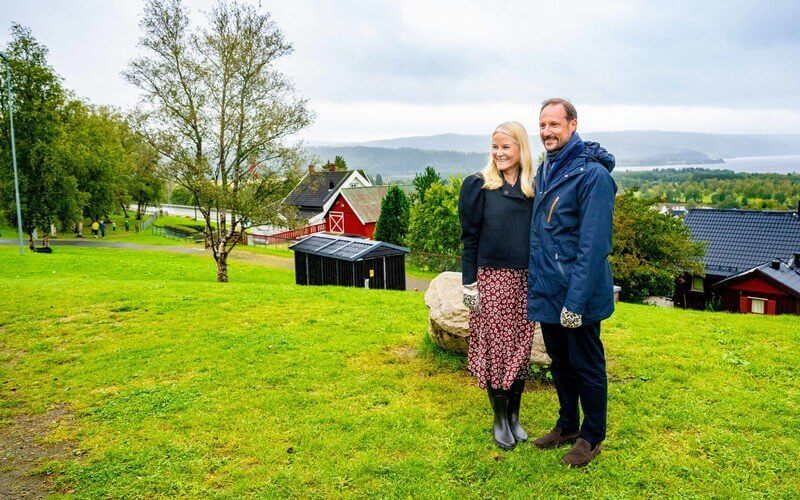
[(470, 297)]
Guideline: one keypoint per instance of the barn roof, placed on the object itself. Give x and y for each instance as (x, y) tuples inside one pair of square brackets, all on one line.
[(785, 275), (739, 240), (366, 201), (346, 248), (315, 188)]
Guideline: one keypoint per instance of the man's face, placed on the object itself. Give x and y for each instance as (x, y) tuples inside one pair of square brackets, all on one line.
[(554, 129)]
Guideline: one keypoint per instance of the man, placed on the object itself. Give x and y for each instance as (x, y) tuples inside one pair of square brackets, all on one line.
[(569, 279)]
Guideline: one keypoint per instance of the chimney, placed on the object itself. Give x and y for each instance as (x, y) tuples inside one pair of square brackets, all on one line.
[(796, 263), (776, 264), (332, 167)]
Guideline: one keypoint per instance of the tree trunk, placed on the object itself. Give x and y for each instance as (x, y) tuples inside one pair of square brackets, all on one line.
[(222, 268), (79, 229), (222, 260), (45, 239), (125, 211), (138, 211)]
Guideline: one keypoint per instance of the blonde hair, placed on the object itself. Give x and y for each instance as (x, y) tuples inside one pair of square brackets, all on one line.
[(492, 179)]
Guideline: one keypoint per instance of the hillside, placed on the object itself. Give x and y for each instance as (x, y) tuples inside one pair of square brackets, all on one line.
[(134, 374), (632, 144)]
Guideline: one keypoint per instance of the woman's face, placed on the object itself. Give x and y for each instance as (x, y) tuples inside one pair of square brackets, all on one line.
[(505, 151)]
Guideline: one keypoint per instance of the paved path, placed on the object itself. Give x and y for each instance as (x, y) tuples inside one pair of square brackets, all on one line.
[(260, 259)]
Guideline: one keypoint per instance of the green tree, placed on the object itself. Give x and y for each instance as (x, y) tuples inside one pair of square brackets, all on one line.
[(49, 192), (339, 164), (392, 225), (219, 112), (650, 250), (378, 180), (434, 226), (144, 182), (423, 181)]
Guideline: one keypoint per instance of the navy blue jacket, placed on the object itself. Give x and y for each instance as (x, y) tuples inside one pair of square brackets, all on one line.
[(495, 226), (570, 239)]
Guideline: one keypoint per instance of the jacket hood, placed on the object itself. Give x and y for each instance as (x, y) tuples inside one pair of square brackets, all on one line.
[(595, 152)]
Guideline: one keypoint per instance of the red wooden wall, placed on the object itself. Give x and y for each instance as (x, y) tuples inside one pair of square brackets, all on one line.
[(352, 224)]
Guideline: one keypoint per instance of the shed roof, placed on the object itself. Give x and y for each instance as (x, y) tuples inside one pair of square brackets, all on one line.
[(366, 201), (785, 275), (346, 248), (315, 188), (739, 240)]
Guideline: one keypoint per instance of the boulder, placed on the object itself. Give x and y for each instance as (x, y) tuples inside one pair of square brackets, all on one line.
[(448, 320)]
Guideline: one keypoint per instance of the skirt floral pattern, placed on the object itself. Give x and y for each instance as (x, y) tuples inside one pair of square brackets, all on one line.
[(500, 333)]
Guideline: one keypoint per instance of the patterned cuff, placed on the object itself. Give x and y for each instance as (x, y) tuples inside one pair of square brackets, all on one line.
[(570, 319)]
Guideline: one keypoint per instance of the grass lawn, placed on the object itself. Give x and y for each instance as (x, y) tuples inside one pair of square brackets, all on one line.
[(168, 383)]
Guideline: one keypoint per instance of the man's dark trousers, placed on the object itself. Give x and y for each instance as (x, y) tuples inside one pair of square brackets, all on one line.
[(579, 372)]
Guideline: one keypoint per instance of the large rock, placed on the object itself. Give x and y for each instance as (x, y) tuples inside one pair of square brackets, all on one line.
[(448, 321)]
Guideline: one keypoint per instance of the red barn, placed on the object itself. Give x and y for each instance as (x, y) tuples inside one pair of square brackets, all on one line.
[(771, 288), (356, 210)]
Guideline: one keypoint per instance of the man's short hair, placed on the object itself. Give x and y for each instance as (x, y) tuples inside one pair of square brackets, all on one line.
[(572, 113)]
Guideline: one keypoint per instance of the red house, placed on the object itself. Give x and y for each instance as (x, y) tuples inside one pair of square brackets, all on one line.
[(356, 210), (771, 288)]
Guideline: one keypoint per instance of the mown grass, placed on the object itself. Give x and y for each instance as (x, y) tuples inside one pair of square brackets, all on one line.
[(182, 386)]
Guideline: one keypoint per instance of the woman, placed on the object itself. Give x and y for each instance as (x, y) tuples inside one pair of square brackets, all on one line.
[(495, 211)]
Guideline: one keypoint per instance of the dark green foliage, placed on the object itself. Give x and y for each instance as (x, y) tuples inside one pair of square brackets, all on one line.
[(392, 225), (424, 181), (650, 250), (339, 164), (49, 192), (435, 227)]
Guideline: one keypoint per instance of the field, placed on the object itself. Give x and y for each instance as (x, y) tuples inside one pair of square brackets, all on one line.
[(135, 374)]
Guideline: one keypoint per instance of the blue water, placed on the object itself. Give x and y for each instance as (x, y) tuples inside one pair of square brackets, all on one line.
[(751, 164)]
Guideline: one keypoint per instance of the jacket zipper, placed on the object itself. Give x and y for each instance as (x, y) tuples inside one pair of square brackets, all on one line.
[(552, 207)]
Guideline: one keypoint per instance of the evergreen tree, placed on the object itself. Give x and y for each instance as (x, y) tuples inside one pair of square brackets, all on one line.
[(339, 164), (392, 225), (423, 181)]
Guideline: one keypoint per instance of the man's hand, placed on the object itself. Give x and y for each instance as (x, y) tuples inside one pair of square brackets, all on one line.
[(570, 319), (470, 297)]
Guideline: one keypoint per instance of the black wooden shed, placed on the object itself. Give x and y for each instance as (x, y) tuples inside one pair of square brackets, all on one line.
[(325, 259)]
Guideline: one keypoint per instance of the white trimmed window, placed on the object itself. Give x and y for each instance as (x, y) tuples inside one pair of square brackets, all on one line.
[(757, 306), (697, 284)]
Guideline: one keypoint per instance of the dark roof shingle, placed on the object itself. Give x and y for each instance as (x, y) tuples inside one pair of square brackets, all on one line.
[(315, 189), (739, 240), (785, 275)]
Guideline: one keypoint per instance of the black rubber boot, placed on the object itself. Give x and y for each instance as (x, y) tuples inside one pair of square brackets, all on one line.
[(501, 430), (514, 400)]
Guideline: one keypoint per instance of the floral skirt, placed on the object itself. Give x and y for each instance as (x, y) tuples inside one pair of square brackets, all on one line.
[(500, 333)]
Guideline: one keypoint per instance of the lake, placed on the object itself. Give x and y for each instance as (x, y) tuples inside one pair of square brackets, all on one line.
[(750, 164)]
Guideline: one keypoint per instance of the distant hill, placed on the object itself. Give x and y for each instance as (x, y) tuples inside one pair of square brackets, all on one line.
[(627, 145), (403, 163), (402, 157)]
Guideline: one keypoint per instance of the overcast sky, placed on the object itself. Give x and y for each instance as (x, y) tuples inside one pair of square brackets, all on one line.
[(377, 69)]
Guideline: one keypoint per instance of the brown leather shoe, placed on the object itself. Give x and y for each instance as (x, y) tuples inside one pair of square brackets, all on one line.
[(581, 453), (555, 438)]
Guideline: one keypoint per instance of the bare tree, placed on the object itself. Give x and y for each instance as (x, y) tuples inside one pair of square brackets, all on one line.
[(219, 114)]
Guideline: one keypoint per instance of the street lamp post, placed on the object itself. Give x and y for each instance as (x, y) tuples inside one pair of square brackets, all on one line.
[(14, 151)]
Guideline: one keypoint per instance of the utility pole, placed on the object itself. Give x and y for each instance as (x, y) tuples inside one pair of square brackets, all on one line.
[(14, 151)]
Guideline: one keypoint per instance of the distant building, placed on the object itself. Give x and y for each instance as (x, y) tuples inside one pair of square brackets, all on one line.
[(772, 288), (316, 192), (740, 242), (355, 211)]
